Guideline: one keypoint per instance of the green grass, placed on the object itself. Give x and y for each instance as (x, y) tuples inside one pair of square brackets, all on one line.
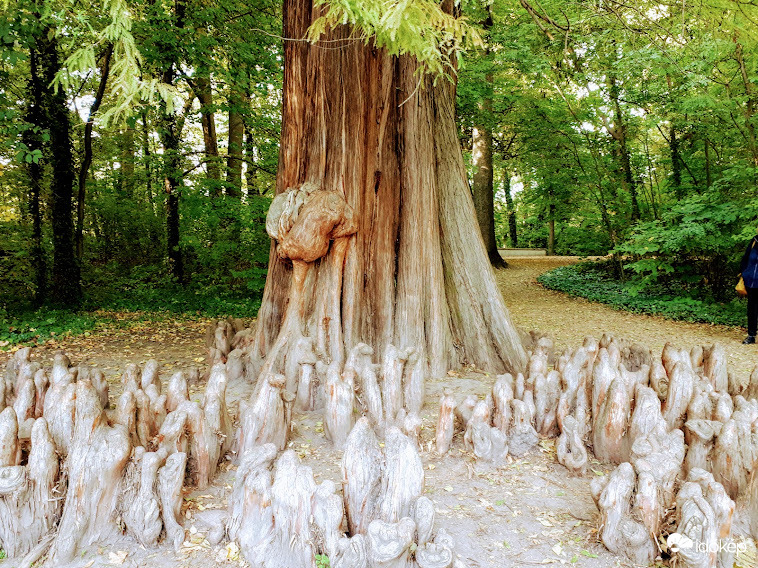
[(28, 327), (587, 280)]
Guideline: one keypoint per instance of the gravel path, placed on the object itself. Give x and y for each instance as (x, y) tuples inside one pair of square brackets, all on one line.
[(568, 320)]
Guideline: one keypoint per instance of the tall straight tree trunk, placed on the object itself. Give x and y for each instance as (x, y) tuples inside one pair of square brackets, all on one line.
[(619, 134), (172, 185), (510, 210), (706, 147), (483, 189), (204, 94), (250, 158), (66, 275), (551, 233), (147, 156), (483, 182), (173, 179), (33, 141), (127, 161), (234, 152), (414, 273), (551, 221), (676, 162), (87, 158)]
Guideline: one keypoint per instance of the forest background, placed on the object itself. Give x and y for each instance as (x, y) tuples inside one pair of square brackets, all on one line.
[(139, 143)]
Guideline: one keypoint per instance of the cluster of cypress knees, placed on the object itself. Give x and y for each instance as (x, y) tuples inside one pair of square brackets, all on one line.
[(79, 469)]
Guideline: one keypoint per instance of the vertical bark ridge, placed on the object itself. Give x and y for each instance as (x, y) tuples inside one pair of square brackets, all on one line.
[(423, 319), (481, 322), (415, 274)]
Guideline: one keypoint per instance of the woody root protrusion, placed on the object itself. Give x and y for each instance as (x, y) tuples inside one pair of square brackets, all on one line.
[(308, 366)]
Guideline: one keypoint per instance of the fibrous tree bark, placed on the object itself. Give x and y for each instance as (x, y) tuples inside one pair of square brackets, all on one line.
[(401, 262)]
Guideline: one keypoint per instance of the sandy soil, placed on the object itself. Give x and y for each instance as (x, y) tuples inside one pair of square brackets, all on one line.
[(529, 512)]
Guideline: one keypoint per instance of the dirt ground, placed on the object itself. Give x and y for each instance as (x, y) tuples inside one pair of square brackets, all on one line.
[(528, 512)]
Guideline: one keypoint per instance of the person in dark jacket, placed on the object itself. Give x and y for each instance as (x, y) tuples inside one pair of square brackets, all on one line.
[(749, 271)]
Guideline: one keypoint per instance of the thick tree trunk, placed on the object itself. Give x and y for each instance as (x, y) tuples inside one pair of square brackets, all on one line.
[(414, 271), (483, 186), (33, 141), (66, 288)]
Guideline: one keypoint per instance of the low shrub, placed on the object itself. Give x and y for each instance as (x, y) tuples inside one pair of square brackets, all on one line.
[(40, 325), (592, 280)]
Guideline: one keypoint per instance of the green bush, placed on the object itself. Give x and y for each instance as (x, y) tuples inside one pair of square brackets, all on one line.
[(581, 239), (147, 289), (17, 285), (697, 243), (592, 280)]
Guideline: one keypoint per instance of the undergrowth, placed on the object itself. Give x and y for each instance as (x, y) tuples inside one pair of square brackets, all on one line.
[(672, 300), (21, 325)]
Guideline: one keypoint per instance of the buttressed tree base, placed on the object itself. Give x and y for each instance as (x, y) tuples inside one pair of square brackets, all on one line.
[(375, 234)]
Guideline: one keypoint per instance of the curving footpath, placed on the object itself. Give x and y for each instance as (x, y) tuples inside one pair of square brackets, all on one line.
[(568, 320)]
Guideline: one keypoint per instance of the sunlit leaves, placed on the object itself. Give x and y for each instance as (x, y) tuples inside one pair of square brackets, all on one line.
[(129, 86), (415, 27)]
